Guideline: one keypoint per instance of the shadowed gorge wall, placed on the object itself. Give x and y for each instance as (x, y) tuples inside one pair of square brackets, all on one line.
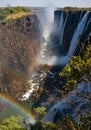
[(71, 19), (76, 36)]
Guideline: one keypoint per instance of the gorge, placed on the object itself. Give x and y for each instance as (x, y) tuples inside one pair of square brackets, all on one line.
[(34, 48)]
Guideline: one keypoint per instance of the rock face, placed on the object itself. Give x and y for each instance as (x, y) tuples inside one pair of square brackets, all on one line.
[(70, 19), (76, 103), (19, 47), (19, 43), (71, 24)]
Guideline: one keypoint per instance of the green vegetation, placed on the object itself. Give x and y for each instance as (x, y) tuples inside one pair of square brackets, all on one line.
[(18, 123), (8, 110), (40, 112), (4, 12), (78, 69), (12, 12), (74, 9), (68, 124), (13, 123)]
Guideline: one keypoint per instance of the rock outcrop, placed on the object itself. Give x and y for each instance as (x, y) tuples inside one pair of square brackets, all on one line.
[(19, 47), (75, 104), (70, 19)]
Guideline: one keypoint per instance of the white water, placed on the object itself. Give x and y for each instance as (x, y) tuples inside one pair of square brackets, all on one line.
[(77, 33), (46, 18), (89, 21), (34, 85), (54, 60), (62, 29), (77, 101), (47, 28), (47, 21)]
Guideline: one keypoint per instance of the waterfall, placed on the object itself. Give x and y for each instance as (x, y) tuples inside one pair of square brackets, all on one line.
[(89, 21), (77, 33), (47, 21), (48, 27), (81, 15), (62, 29), (46, 18), (87, 34)]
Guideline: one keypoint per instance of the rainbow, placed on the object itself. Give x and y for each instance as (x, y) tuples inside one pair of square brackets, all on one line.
[(16, 105)]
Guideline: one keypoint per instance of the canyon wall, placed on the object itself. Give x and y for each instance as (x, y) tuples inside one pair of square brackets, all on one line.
[(76, 33), (67, 22), (19, 47)]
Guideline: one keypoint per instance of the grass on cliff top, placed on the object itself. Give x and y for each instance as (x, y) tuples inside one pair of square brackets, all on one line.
[(16, 16), (13, 13), (73, 9)]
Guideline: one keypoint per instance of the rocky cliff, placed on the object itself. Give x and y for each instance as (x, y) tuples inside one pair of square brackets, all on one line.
[(19, 47), (67, 22), (76, 29)]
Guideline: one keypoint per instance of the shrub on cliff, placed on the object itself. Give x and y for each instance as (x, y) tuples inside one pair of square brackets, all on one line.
[(19, 123), (68, 124), (40, 112), (11, 10), (13, 123), (74, 9), (78, 69)]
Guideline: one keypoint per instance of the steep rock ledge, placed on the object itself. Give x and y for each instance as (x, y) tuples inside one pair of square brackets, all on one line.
[(19, 47), (71, 19)]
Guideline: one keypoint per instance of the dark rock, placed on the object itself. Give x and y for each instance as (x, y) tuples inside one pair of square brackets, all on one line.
[(75, 104), (73, 19)]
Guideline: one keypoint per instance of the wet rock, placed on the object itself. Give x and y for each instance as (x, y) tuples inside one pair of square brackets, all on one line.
[(75, 104)]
